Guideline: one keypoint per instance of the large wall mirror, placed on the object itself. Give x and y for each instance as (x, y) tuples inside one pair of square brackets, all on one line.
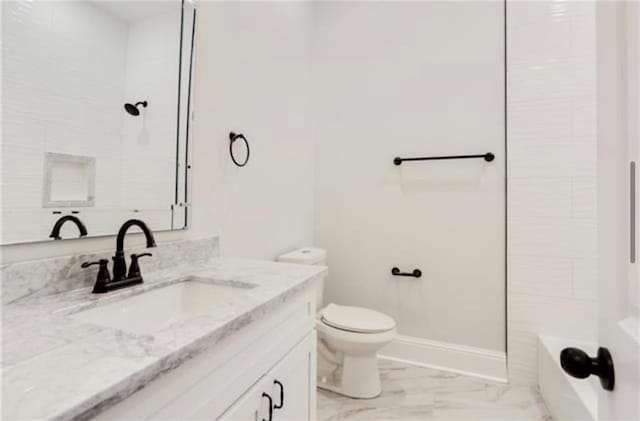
[(96, 105)]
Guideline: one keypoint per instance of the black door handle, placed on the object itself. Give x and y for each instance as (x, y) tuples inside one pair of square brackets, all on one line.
[(266, 395), (578, 364), (281, 395)]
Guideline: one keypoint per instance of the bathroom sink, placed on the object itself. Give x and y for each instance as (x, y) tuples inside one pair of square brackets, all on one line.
[(157, 309)]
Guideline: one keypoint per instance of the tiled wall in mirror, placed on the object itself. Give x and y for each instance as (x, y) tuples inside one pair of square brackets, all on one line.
[(95, 105)]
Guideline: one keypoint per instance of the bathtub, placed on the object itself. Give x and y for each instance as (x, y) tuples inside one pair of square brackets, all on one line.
[(566, 397)]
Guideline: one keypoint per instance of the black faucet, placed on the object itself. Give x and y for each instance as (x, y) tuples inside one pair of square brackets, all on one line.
[(121, 279), (55, 232), (119, 263)]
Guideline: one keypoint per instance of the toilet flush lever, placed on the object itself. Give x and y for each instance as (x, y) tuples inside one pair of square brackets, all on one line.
[(417, 273)]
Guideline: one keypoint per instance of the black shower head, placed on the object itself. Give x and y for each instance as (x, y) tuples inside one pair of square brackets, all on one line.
[(133, 108)]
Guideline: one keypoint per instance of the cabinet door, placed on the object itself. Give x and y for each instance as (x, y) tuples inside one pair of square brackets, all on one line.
[(285, 393), (293, 383), (252, 406)]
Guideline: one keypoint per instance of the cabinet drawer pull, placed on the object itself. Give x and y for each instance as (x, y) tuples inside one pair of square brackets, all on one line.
[(281, 395), (266, 395)]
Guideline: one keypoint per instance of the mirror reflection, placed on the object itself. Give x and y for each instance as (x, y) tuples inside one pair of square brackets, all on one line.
[(91, 94)]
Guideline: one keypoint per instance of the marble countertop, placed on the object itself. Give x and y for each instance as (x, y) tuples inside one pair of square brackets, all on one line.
[(56, 367)]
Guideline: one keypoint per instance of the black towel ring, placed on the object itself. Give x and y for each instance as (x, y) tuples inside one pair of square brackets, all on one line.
[(232, 138)]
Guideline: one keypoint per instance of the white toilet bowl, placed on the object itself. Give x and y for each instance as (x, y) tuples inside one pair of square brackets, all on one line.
[(349, 339)]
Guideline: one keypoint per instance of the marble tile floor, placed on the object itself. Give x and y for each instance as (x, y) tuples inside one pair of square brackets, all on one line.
[(417, 393)]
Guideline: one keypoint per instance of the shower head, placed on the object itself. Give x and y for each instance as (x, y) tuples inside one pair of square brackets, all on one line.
[(133, 108)]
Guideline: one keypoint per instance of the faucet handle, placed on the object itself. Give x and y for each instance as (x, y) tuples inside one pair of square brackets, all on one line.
[(103, 277), (135, 256), (134, 269), (101, 262)]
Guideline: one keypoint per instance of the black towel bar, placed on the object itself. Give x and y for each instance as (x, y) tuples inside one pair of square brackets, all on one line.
[(487, 157)]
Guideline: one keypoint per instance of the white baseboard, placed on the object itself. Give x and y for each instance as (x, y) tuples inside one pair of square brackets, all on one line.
[(470, 361)]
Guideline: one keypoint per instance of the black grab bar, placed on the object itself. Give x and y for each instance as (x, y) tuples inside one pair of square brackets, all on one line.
[(417, 273), (486, 156)]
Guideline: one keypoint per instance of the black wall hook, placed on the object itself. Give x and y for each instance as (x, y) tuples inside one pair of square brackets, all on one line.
[(232, 139)]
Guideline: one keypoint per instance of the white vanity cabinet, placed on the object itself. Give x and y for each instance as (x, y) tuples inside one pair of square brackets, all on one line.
[(284, 394), (263, 370)]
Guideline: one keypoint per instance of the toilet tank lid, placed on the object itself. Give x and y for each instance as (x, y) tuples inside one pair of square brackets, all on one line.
[(305, 256)]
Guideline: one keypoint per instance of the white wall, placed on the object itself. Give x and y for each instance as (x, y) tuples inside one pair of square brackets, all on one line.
[(413, 79), (552, 253), (251, 76)]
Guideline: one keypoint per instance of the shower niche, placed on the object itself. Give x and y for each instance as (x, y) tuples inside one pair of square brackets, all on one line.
[(69, 181), (96, 99)]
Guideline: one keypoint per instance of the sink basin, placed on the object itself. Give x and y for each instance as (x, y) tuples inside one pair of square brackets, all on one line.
[(157, 309)]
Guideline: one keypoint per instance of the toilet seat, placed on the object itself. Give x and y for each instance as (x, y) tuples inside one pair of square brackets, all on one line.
[(356, 319), (353, 339)]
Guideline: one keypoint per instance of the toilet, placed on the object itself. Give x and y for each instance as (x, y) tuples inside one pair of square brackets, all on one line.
[(348, 339)]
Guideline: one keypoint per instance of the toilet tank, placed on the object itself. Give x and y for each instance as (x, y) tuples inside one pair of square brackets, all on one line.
[(309, 256)]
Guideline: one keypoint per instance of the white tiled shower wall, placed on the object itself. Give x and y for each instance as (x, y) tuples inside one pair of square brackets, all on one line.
[(150, 139), (552, 236), (49, 54), (68, 68)]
